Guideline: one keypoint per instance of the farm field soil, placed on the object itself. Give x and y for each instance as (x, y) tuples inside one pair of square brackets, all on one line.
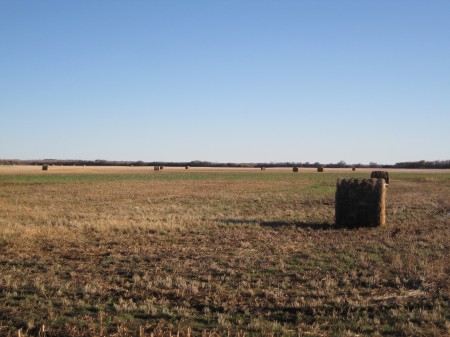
[(89, 251)]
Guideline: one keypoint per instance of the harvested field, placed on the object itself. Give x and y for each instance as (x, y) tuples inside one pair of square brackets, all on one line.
[(128, 251)]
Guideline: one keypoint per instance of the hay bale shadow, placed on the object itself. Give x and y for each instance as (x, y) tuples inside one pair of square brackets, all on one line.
[(298, 224), (285, 224), (237, 221)]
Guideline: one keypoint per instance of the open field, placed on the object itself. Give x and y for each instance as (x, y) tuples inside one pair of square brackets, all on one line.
[(23, 169), (128, 251)]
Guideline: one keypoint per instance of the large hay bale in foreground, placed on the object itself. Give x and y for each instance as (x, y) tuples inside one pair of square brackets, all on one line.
[(295, 169), (45, 167), (360, 202), (320, 169), (380, 175)]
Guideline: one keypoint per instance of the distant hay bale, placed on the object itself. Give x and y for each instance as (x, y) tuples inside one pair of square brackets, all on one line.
[(380, 175), (45, 167), (263, 168), (186, 167), (320, 169), (353, 168), (360, 202), (295, 169), (156, 168), (161, 167)]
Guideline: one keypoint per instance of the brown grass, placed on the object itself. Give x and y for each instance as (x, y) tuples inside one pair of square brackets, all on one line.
[(128, 252)]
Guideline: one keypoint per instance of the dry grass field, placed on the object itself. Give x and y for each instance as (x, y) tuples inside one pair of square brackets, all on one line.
[(128, 251)]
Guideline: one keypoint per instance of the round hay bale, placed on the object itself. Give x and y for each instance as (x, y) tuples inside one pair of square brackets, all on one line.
[(45, 167), (360, 202), (161, 167), (353, 168), (380, 175), (156, 168), (320, 169), (186, 167), (295, 169)]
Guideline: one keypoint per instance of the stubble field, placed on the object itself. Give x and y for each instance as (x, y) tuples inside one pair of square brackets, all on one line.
[(132, 252)]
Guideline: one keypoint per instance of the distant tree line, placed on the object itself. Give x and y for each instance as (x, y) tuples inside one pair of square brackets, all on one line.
[(422, 164)]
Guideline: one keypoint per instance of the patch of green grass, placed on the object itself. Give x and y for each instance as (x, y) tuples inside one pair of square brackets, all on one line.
[(324, 189), (89, 178), (322, 183), (57, 179), (59, 320), (443, 176), (345, 262), (108, 260)]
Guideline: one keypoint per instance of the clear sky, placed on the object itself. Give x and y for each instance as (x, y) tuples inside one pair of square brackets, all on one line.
[(226, 81)]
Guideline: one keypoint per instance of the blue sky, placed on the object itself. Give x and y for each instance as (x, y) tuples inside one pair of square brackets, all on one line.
[(228, 81)]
